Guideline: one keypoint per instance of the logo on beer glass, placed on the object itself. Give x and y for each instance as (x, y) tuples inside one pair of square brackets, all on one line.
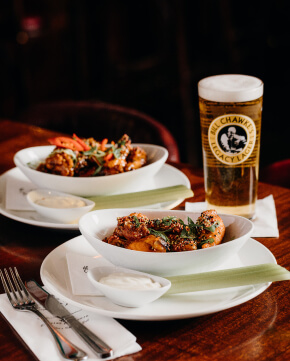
[(232, 138)]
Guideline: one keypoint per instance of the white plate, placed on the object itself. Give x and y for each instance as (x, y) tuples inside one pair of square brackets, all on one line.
[(54, 275), (166, 177)]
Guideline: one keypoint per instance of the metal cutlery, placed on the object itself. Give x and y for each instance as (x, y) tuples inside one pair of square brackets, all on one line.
[(21, 300), (57, 309)]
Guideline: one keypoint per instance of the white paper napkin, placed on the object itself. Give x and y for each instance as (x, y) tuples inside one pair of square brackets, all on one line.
[(17, 187), (265, 221), (78, 267), (38, 338)]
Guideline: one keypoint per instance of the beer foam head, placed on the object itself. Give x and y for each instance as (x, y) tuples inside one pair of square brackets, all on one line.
[(230, 88)]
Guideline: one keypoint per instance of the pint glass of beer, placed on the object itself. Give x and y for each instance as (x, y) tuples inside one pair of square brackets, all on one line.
[(230, 116)]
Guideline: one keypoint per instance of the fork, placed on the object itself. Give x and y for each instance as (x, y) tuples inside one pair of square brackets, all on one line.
[(20, 299)]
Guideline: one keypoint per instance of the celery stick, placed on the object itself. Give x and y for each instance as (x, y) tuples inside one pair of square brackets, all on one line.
[(242, 276), (137, 199)]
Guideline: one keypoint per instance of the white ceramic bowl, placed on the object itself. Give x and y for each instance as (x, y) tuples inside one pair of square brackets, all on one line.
[(60, 215), (96, 225), (127, 297), (90, 186)]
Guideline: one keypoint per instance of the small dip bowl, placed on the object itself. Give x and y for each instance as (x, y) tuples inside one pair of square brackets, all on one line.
[(128, 297), (58, 206)]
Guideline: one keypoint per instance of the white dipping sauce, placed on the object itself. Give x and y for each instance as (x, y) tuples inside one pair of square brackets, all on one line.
[(129, 281), (60, 202)]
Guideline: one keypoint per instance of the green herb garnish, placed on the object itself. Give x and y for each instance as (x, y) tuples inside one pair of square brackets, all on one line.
[(213, 227), (97, 171), (117, 152), (160, 234), (167, 221), (136, 221), (121, 142), (187, 233)]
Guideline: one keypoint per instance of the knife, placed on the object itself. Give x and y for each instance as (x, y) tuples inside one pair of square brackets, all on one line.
[(50, 303)]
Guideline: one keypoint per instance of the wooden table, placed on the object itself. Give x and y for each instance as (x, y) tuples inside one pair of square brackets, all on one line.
[(256, 330)]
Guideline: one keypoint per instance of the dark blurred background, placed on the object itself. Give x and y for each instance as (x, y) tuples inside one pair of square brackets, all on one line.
[(148, 55)]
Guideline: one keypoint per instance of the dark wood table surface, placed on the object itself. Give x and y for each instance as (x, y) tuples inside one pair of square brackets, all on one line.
[(256, 330)]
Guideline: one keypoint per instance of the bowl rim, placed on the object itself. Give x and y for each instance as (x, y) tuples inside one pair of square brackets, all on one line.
[(19, 163)]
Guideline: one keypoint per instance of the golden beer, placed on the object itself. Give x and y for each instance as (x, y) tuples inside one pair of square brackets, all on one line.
[(230, 117)]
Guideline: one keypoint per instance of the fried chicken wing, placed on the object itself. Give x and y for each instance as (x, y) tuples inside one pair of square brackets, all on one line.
[(213, 230), (182, 244), (85, 166), (132, 227), (59, 163), (150, 243), (137, 157), (114, 166), (115, 241)]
